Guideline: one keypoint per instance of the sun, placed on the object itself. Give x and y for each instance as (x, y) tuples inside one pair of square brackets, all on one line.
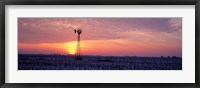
[(70, 47), (71, 51)]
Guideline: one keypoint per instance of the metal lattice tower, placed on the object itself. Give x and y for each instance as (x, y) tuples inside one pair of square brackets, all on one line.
[(78, 47)]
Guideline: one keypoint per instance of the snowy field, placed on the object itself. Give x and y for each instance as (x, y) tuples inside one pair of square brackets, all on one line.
[(68, 62)]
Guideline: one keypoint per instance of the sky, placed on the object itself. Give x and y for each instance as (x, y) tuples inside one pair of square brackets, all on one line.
[(101, 36)]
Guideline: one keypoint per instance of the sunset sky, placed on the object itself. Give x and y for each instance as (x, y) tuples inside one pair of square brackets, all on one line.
[(101, 36)]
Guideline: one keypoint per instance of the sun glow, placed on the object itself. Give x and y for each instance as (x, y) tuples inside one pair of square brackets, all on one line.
[(70, 47)]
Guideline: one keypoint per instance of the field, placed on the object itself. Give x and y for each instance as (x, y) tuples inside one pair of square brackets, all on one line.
[(67, 62)]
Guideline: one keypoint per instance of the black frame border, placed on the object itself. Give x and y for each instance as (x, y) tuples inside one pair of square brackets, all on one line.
[(99, 2)]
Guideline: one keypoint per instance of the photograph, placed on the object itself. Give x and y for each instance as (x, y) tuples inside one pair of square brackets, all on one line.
[(99, 43)]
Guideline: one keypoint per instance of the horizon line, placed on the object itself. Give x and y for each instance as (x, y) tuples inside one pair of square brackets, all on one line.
[(103, 55)]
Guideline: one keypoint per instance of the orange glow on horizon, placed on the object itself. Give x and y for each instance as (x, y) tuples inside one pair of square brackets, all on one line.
[(98, 47)]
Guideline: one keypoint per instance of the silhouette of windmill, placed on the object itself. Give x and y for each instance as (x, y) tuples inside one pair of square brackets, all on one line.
[(78, 47)]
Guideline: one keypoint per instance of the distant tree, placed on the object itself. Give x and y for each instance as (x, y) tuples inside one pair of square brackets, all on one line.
[(174, 57), (168, 56)]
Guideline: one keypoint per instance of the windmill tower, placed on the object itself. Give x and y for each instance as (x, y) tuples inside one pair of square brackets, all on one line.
[(78, 47)]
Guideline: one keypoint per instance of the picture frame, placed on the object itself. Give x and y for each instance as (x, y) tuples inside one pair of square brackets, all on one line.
[(99, 2)]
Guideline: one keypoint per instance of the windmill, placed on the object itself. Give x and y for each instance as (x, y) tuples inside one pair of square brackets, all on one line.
[(78, 47)]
